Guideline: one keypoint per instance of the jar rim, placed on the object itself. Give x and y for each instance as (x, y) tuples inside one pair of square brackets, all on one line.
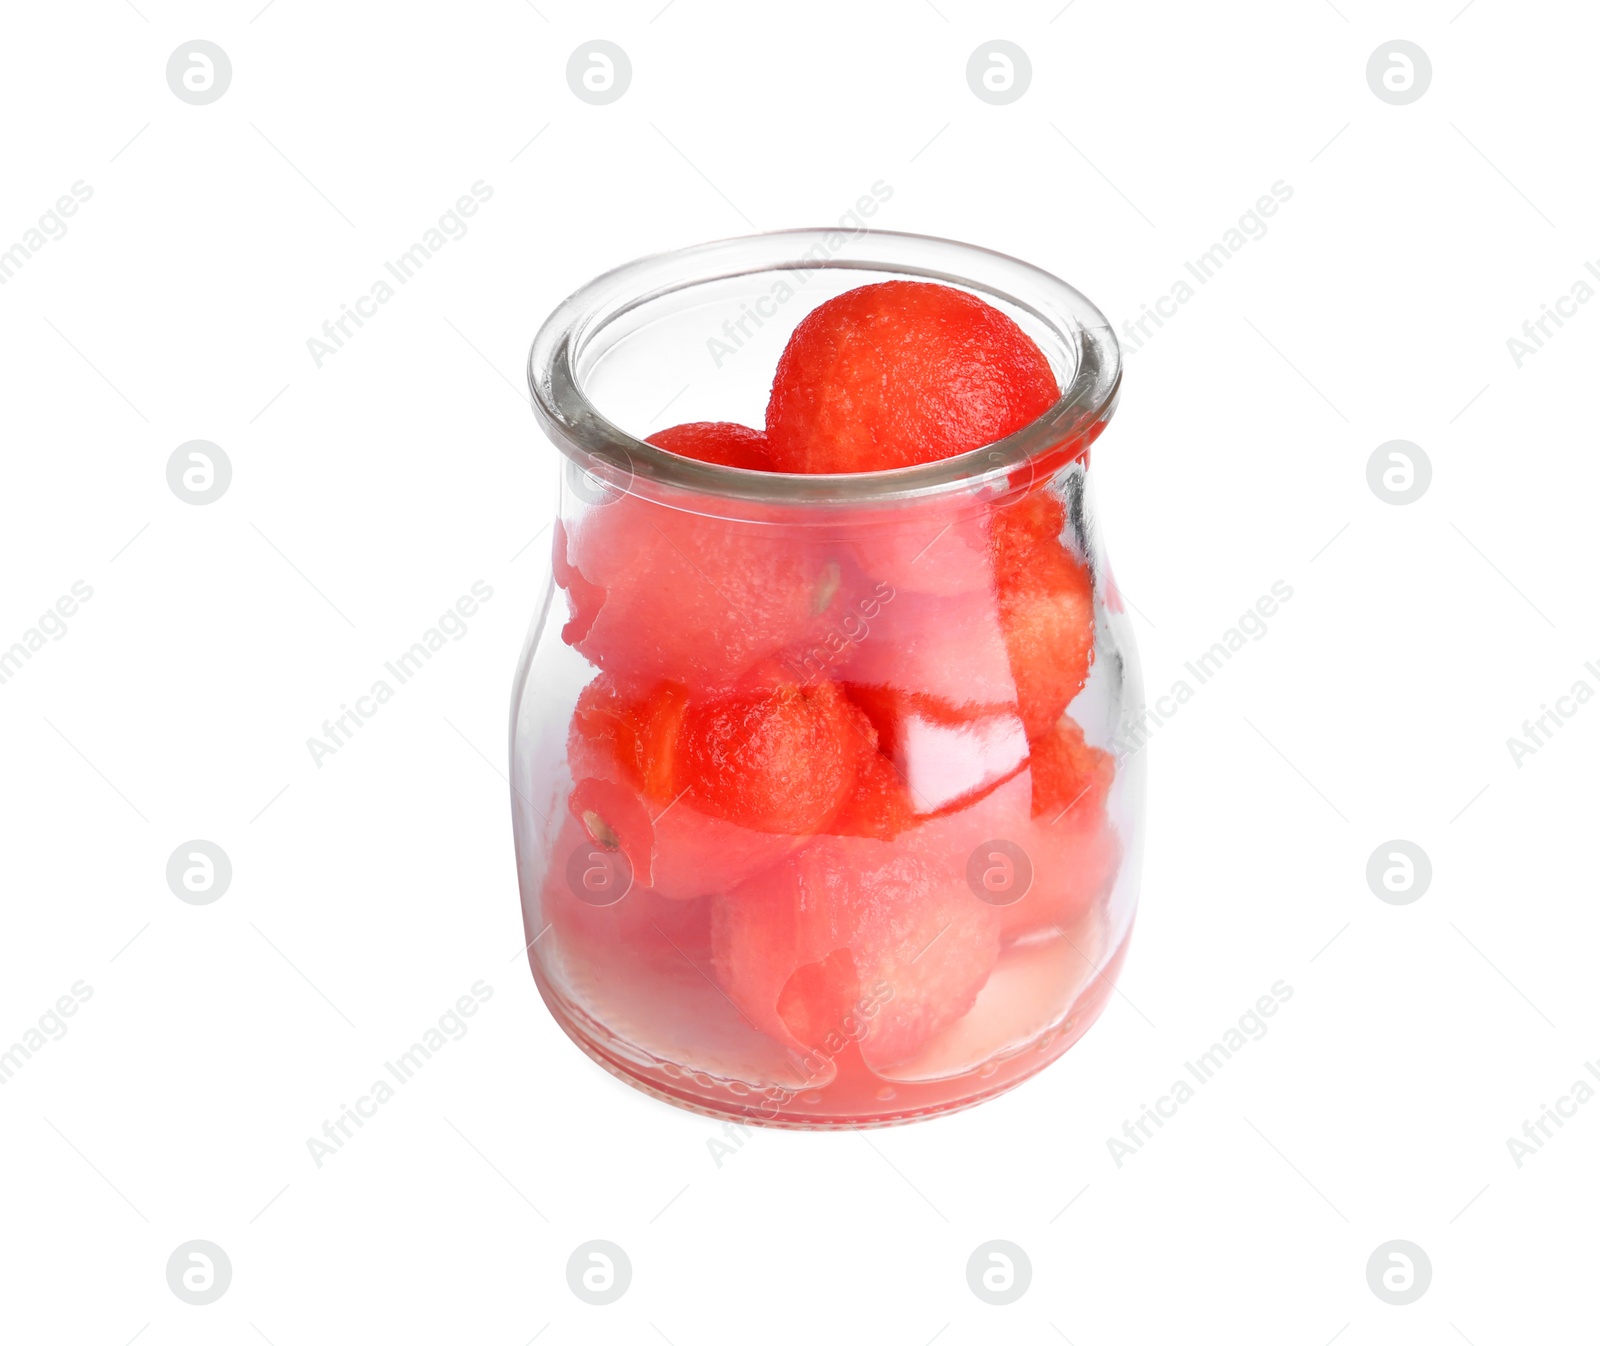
[(605, 451)]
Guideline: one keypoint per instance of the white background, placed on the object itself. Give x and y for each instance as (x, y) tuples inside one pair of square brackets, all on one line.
[(368, 494)]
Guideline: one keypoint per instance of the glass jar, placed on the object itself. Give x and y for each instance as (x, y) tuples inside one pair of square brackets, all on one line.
[(821, 815)]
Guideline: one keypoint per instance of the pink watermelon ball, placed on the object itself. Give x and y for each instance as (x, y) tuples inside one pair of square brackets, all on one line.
[(846, 922)]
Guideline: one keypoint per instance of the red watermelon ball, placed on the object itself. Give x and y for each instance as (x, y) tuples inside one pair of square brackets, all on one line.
[(1046, 608), (700, 794), (726, 443), (858, 938), (898, 373)]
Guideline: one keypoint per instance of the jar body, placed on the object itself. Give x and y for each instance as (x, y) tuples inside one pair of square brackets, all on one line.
[(821, 812)]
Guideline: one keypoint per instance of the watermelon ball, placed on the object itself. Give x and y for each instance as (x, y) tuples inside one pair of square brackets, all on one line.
[(898, 373), (781, 760), (662, 594), (1056, 813), (879, 806), (725, 443), (1046, 608), (700, 794), (1032, 990), (1069, 775), (855, 938), (1078, 851), (1076, 865)]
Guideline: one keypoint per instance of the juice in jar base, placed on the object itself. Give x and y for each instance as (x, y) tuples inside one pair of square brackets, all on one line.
[(856, 1096)]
